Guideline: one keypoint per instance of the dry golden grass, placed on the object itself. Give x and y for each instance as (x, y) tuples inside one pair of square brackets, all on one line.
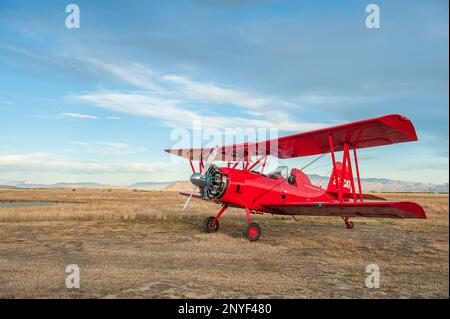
[(140, 244)]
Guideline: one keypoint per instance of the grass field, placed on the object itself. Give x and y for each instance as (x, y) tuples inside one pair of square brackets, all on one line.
[(136, 244)]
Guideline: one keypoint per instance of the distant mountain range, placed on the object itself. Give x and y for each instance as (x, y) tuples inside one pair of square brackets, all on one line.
[(374, 185), (21, 184)]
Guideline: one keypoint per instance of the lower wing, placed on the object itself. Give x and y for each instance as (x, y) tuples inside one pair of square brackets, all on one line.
[(364, 196), (384, 209)]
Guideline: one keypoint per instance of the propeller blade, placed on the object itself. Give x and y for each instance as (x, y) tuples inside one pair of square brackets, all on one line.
[(210, 160), (186, 203)]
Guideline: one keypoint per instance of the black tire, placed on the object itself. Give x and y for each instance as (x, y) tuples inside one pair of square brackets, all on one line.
[(349, 225), (207, 225), (251, 231)]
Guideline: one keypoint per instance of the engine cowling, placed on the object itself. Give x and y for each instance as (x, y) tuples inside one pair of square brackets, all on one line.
[(215, 183)]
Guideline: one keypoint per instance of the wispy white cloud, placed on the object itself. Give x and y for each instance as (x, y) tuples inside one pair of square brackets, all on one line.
[(170, 97), (43, 162), (136, 74), (181, 87), (105, 148), (329, 99), (173, 114), (79, 116), (207, 92), (5, 103)]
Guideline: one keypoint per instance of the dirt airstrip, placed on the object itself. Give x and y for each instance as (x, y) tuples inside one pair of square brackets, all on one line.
[(139, 244)]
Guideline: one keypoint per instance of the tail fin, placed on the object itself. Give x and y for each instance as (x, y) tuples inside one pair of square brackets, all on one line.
[(336, 177)]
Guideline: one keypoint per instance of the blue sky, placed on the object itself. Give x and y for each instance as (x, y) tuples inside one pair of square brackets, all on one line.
[(99, 103)]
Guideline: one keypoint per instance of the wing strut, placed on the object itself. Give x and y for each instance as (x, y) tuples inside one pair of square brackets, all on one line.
[(333, 159), (346, 163), (355, 157)]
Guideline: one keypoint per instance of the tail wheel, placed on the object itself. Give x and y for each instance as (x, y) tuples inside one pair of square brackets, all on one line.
[(208, 226), (252, 231)]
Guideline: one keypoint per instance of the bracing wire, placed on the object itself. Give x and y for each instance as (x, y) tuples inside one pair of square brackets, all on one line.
[(312, 162)]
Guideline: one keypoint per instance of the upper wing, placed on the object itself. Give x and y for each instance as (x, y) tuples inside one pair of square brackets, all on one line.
[(384, 209), (378, 131)]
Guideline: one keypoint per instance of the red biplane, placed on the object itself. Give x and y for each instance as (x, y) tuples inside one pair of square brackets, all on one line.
[(242, 182)]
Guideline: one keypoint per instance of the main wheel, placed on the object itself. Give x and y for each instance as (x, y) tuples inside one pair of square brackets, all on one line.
[(208, 226), (349, 225), (251, 231)]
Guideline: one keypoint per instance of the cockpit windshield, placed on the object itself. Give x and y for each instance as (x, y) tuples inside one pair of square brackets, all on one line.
[(282, 171)]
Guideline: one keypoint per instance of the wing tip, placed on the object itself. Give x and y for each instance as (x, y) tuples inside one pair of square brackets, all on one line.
[(406, 125), (412, 208)]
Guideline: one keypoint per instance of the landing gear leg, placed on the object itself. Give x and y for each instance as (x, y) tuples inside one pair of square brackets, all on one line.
[(211, 224), (251, 231), (348, 223)]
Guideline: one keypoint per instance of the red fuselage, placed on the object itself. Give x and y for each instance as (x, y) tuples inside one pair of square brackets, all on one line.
[(256, 191)]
